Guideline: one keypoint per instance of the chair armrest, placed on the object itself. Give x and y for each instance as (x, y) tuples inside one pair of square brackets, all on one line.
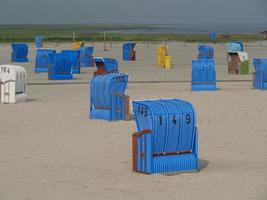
[(142, 151), (143, 132)]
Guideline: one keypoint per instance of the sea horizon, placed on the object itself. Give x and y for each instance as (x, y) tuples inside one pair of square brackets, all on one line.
[(179, 28)]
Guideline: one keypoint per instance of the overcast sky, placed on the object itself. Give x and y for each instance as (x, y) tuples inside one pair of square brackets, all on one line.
[(132, 11)]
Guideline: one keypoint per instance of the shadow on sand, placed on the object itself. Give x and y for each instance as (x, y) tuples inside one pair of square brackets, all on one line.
[(202, 164), (28, 100)]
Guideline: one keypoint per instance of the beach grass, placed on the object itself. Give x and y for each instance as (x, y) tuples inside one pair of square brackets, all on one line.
[(95, 33)]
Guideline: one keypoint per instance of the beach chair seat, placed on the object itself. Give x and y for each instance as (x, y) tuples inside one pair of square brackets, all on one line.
[(203, 75), (238, 62), (107, 98), (205, 52), (128, 52), (13, 82), (74, 58), (43, 60), (19, 53), (86, 56), (105, 66), (61, 69), (39, 41), (260, 74)]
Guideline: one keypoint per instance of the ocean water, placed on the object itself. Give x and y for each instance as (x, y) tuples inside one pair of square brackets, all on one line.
[(200, 29)]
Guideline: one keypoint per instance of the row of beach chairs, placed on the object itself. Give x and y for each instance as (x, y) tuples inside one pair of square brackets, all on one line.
[(166, 137)]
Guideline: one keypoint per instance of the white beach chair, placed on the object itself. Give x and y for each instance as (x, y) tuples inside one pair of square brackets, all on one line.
[(13, 81)]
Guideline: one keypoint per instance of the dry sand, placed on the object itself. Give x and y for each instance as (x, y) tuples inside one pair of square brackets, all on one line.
[(51, 150)]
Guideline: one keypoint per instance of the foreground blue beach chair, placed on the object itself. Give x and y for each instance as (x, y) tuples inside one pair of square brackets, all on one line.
[(105, 66), (203, 75), (128, 53), (86, 56), (44, 60), (260, 74), (19, 53), (61, 68), (107, 98), (205, 52), (167, 137), (74, 58)]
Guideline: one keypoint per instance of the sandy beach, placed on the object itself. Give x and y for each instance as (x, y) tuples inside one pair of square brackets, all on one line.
[(51, 150)]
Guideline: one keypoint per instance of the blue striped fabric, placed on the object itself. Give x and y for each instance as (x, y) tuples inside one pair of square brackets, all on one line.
[(205, 52), (174, 163), (19, 53), (74, 59), (44, 60), (173, 141), (110, 65), (107, 96), (260, 75), (39, 41), (127, 48), (61, 67), (86, 56), (203, 75)]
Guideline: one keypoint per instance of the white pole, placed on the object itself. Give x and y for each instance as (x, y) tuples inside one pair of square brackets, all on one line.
[(73, 36), (105, 41)]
